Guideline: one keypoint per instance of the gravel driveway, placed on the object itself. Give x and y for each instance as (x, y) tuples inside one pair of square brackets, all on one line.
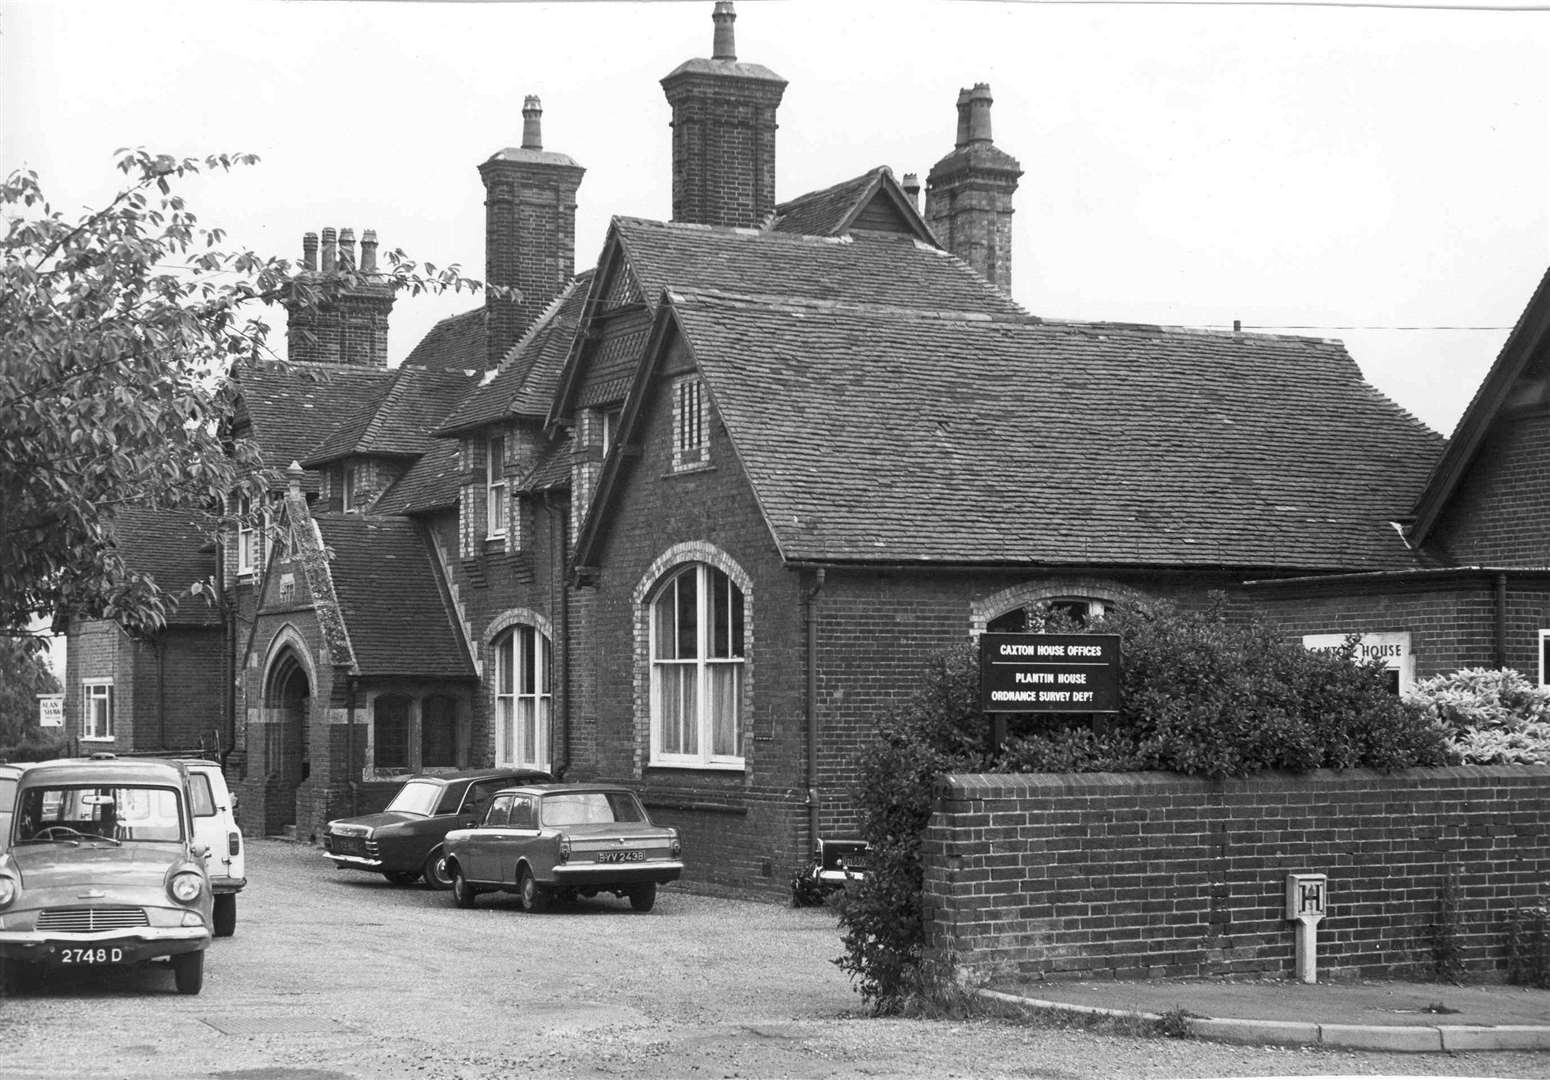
[(337, 975)]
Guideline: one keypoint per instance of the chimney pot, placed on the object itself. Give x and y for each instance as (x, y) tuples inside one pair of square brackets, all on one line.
[(532, 123), (979, 113), (330, 249), (347, 249), (911, 187), (369, 251), (963, 119), (725, 45), (309, 251)]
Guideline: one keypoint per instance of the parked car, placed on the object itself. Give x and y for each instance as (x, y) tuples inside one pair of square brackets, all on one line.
[(404, 842), (8, 777), (560, 841), (215, 827), (835, 863), (103, 869)]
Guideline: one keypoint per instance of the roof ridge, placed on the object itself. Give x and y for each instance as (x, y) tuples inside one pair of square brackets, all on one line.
[(811, 304), (1172, 328)]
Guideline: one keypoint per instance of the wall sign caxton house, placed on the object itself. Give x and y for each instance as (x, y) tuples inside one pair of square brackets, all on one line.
[(1392, 649), (1023, 673)]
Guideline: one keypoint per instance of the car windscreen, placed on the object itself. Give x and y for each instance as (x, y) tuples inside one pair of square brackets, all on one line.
[(79, 813), (590, 808), (417, 797)]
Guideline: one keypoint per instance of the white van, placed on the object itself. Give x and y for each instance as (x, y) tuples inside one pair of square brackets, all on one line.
[(215, 826)]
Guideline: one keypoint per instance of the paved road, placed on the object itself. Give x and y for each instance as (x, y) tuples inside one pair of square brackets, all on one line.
[(340, 976)]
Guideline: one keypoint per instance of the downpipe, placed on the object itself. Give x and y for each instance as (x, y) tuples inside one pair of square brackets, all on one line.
[(813, 804)]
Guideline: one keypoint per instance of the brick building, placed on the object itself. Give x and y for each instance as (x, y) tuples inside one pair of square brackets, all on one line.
[(694, 518)]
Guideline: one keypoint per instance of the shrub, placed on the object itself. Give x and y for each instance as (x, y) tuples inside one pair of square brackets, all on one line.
[(1488, 716), (37, 744)]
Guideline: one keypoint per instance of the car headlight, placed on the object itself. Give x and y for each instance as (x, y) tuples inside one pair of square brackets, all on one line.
[(675, 847), (564, 848), (7, 891), (186, 887)]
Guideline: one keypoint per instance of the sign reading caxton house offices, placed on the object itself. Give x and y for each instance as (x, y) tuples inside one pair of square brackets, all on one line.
[(1024, 673)]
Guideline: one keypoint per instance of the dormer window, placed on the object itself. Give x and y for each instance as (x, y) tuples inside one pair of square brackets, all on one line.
[(247, 538), (347, 495), (690, 441), (495, 488)]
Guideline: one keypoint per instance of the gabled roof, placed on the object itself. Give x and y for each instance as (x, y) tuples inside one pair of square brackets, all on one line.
[(865, 267), (525, 383), (872, 200), (172, 548), (431, 483), (293, 407), (397, 419), (1524, 353), (389, 598), (552, 470), (455, 342), (967, 438)]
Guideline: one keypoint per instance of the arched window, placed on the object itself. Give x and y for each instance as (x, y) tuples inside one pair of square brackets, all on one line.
[(523, 698), (1054, 614), (390, 733), (698, 650)]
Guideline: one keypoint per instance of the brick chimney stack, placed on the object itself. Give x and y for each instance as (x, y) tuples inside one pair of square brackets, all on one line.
[(348, 323), (529, 231), (911, 186), (723, 133), (969, 193)]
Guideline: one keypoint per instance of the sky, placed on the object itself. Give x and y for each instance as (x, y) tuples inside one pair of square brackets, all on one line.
[(1376, 174)]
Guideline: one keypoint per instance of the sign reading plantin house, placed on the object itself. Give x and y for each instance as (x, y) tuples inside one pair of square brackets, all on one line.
[(1024, 673)]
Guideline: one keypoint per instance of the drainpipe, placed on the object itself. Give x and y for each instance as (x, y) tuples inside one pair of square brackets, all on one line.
[(559, 516), (1501, 620), (160, 645), (813, 806), (349, 745)]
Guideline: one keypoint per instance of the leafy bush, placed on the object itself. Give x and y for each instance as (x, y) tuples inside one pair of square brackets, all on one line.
[(1199, 695), (1489, 716), (35, 745)]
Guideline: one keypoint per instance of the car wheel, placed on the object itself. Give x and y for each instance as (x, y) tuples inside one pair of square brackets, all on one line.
[(435, 870), (188, 972), (644, 897), (462, 892), (402, 877), (535, 897), (225, 914)]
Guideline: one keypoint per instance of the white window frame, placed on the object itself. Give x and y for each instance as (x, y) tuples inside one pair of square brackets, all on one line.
[(495, 503), (1544, 637), (703, 669), (524, 698), (691, 432), (97, 725), (247, 538), (347, 488)]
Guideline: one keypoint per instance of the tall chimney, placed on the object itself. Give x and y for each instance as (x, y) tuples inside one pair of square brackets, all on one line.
[(344, 324), (969, 193), (529, 231), (911, 186), (723, 133)]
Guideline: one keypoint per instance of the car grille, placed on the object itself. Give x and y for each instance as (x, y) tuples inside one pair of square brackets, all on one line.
[(88, 920), (352, 845)]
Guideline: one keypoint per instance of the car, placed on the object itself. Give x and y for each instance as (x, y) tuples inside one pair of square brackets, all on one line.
[(103, 870), (549, 842), (835, 864), (215, 827), (403, 842), (8, 777)]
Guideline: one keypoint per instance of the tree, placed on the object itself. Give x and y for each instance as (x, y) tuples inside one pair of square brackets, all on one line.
[(118, 336), (24, 674)]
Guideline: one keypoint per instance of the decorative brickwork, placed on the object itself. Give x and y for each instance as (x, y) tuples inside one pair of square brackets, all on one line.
[(349, 325), (1155, 875)]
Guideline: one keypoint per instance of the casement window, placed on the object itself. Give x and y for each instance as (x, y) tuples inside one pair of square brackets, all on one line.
[(523, 698), (347, 489), (390, 733), (495, 488), (690, 434), (698, 655), (1064, 612), (97, 709), (248, 533), (610, 429)]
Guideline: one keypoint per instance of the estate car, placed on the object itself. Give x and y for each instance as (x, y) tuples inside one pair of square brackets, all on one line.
[(8, 777), (103, 870), (404, 841), (558, 841), (215, 828)]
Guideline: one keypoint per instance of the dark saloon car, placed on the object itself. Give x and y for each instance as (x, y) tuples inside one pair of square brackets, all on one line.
[(549, 842), (404, 842)]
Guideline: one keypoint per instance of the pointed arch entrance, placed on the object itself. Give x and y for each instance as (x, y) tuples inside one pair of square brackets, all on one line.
[(287, 703)]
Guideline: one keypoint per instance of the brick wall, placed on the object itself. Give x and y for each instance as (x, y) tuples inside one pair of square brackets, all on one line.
[(1152, 874), (530, 239), (723, 146), (1500, 512)]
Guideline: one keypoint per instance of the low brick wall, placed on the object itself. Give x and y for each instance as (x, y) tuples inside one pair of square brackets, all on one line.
[(1138, 875)]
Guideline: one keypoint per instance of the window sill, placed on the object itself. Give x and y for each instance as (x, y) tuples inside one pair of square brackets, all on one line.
[(698, 766), (689, 470), (99, 738)]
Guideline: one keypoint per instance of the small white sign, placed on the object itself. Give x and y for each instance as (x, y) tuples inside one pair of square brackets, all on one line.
[(1393, 649), (51, 710)]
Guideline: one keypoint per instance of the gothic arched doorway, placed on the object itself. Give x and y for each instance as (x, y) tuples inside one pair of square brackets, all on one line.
[(287, 697)]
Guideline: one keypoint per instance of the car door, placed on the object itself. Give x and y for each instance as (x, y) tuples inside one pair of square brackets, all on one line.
[(481, 855), (523, 837)]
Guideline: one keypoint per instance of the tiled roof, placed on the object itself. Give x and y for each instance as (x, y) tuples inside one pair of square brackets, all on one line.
[(389, 599), (455, 342), (430, 484), (396, 421), (529, 374), (293, 407), (865, 268), (552, 472), (166, 546), (903, 436), (824, 213)]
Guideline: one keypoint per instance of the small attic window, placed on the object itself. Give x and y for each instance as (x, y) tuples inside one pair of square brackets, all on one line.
[(691, 447), (347, 489), (495, 488)]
